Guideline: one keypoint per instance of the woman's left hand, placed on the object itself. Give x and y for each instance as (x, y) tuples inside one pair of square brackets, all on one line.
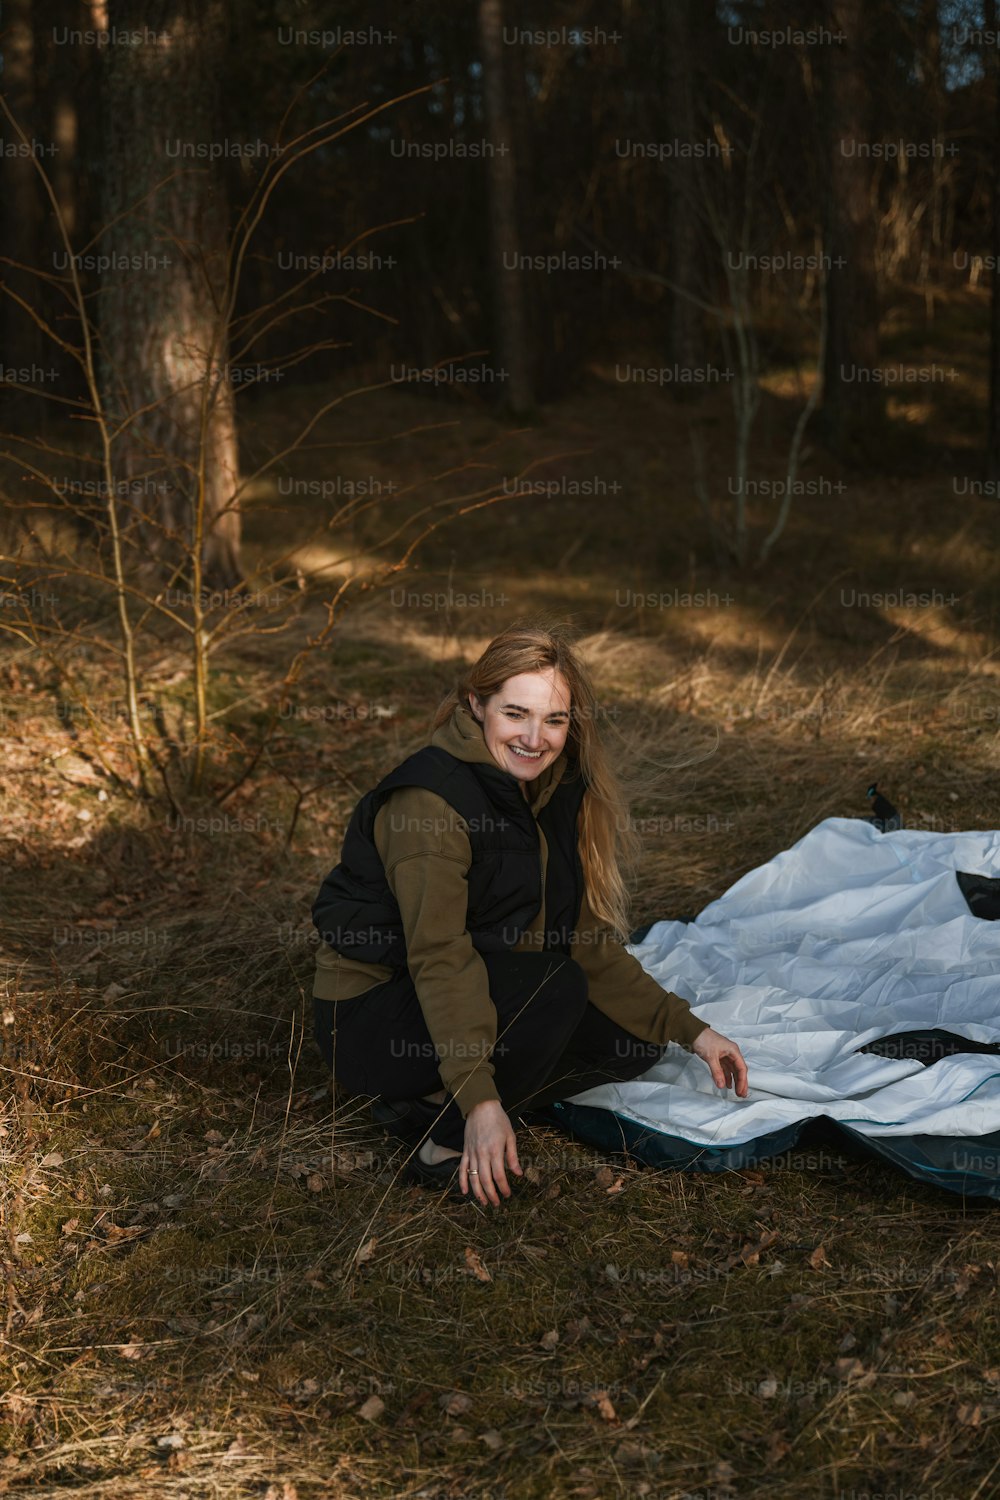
[(725, 1059)]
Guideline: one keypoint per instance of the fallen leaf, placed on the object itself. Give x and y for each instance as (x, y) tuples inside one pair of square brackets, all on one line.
[(616, 1186), (750, 1253), (371, 1409), (604, 1177), (777, 1448), (475, 1265), (969, 1414), (604, 1405), (171, 1440), (492, 1439), (818, 1259), (679, 1257), (366, 1251), (70, 1225), (456, 1403), (116, 1232), (549, 1340), (315, 1182), (53, 1159)]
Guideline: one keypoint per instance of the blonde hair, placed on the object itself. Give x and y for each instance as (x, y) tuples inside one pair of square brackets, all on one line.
[(608, 842)]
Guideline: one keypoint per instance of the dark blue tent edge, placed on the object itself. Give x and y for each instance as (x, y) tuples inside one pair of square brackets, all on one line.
[(969, 1165)]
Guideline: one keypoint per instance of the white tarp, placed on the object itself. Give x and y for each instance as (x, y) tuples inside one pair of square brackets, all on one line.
[(848, 936)]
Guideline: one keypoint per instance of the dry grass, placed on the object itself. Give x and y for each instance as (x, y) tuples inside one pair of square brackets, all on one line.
[(216, 1286)]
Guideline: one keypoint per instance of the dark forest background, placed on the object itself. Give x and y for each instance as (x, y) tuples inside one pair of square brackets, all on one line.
[(724, 188)]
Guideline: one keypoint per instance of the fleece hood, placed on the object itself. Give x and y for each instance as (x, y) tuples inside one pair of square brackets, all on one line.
[(462, 736)]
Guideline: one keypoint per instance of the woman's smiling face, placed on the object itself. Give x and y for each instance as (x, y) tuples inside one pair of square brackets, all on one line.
[(526, 722)]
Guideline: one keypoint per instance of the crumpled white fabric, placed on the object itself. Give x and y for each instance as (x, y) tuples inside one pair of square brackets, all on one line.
[(848, 936)]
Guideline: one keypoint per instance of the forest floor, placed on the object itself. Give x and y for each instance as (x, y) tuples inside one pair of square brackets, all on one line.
[(216, 1285)]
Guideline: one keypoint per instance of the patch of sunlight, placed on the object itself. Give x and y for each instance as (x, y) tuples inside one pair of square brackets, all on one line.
[(264, 487), (963, 552), (50, 534), (318, 560), (937, 630), (794, 384), (624, 659), (917, 413), (440, 644), (730, 626)]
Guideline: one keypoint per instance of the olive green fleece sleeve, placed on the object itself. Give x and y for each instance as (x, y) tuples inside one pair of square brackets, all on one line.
[(618, 985), (426, 854)]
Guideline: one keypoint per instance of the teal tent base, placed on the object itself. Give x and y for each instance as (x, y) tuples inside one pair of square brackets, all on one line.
[(969, 1165)]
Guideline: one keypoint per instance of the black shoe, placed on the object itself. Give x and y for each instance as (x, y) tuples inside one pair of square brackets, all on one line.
[(442, 1175), (408, 1120)]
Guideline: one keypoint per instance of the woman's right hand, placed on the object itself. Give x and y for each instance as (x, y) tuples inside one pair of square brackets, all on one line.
[(490, 1148)]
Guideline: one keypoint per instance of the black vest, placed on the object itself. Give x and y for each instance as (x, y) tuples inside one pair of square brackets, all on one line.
[(356, 912)]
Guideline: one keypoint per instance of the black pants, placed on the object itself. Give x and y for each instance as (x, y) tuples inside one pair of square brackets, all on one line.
[(551, 1042)]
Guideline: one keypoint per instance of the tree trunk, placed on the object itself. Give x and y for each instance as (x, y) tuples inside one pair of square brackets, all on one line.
[(685, 344), (852, 406), (66, 85), (20, 339), (162, 320), (511, 335), (993, 415)]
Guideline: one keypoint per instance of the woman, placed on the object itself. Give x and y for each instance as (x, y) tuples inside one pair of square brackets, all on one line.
[(472, 962)]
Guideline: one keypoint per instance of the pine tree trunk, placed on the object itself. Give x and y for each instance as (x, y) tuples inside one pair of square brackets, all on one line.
[(852, 405), (66, 87), (684, 340), (21, 345), (165, 351), (993, 416), (511, 337)]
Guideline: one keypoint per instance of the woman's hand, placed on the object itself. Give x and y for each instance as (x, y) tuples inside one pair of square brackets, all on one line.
[(725, 1059), (490, 1147)]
